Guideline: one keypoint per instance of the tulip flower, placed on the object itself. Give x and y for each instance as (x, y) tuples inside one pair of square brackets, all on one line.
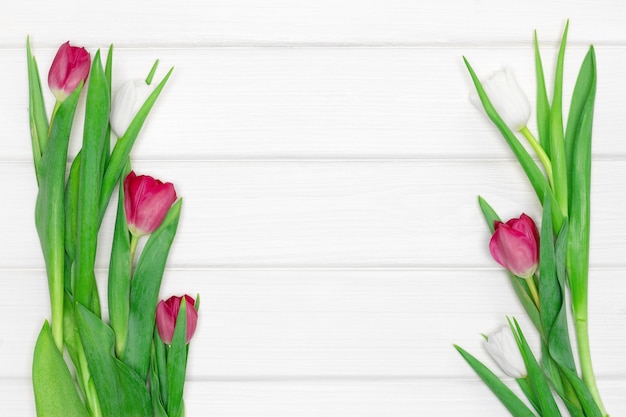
[(126, 102), (515, 246), (167, 313), (502, 347), (69, 68), (146, 202), (507, 98)]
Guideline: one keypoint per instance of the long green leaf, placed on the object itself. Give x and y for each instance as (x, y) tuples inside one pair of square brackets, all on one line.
[(536, 377), (121, 392), (122, 148), (71, 209), (50, 207), (535, 176), (36, 110), (94, 134), (543, 107), (552, 292), (106, 149), (177, 364), (587, 402), (144, 292), (583, 100), (120, 267), (512, 403), (557, 142), (55, 391)]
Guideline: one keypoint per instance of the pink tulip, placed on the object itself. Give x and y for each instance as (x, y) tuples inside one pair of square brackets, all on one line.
[(146, 202), (167, 313), (69, 68), (515, 246)]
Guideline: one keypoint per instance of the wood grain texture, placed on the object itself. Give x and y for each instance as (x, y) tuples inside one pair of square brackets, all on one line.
[(348, 214), (329, 161), (286, 22), (326, 103)]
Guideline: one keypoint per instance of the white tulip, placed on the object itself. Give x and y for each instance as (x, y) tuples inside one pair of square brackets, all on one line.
[(126, 102), (502, 347), (507, 98)]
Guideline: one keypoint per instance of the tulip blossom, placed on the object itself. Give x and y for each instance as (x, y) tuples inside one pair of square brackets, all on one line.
[(515, 246), (146, 202), (507, 98), (126, 102), (70, 67), (167, 313), (502, 347)]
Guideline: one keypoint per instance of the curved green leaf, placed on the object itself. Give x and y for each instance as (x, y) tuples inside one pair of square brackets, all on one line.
[(535, 176), (144, 292), (121, 392), (122, 147), (55, 391), (512, 403)]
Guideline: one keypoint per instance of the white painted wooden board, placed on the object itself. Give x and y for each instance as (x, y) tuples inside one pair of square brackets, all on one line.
[(329, 162)]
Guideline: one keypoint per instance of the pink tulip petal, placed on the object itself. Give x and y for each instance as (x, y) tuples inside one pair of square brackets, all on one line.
[(146, 202)]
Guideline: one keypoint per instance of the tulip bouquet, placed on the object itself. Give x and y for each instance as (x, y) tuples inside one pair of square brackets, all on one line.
[(131, 363), (549, 265)]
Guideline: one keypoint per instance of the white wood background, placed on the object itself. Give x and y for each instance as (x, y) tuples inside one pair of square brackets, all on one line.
[(330, 161)]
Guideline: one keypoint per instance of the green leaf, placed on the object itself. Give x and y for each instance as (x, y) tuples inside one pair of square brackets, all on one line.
[(489, 214), (152, 72), (587, 402), (50, 207), (177, 364), (144, 292), (535, 176), (557, 143), (106, 149), (543, 107), (122, 148), (552, 292), (583, 100), (121, 392), (97, 110), (36, 110), (528, 391), (159, 365), (55, 391), (512, 403), (71, 209), (120, 267), (536, 377)]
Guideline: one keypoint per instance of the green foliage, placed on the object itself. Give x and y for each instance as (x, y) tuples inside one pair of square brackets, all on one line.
[(121, 392), (144, 291), (512, 403), (55, 392)]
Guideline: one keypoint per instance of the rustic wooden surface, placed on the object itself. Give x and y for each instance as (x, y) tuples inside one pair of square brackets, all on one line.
[(329, 162)]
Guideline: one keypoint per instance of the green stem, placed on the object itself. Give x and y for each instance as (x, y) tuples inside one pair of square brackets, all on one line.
[(57, 104), (133, 247), (584, 354), (543, 157), (91, 395), (56, 282), (533, 290)]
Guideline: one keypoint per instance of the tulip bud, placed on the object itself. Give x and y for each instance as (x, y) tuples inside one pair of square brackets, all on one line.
[(126, 102), (69, 68), (507, 98), (515, 246), (167, 313), (146, 202), (502, 347)]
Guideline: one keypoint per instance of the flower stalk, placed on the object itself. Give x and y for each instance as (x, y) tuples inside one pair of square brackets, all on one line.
[(563, 264)]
